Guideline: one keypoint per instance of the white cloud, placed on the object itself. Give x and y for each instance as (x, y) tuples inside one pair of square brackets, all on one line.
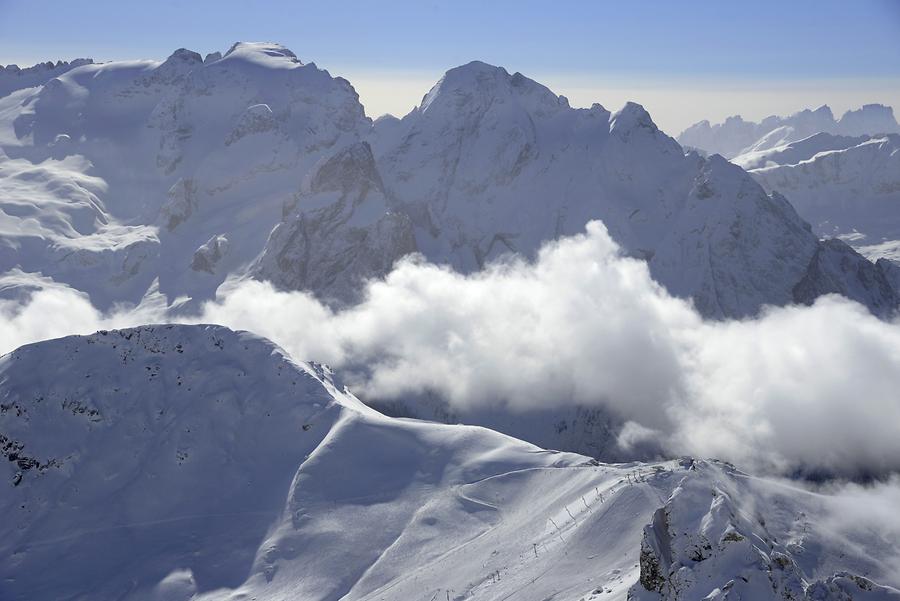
[(798, 388)]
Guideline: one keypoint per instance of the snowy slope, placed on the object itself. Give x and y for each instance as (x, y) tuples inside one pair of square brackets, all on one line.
[(793, 153), (182, 444), (844, 186), (735, 136), (193, 462)]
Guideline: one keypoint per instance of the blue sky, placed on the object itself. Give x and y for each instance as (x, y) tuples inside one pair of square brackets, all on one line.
[(770, 53)]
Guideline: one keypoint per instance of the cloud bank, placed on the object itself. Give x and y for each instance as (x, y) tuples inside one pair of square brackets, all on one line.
[(799, 388)]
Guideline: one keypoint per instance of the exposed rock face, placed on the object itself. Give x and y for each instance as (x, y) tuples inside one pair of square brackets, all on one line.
[(891, 271), (838, 269), (869, 119), (338, 231), (207, 257), (711, 542), (180, 205), (656, 553)]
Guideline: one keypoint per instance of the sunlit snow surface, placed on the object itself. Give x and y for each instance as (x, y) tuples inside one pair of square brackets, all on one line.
[(178, 462)]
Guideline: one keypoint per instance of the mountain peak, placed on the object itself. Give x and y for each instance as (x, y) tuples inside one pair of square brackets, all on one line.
[(630, 117), (869, 119), (877, 107), (478, 79), (261, 51), (184, 55), (476, 68)]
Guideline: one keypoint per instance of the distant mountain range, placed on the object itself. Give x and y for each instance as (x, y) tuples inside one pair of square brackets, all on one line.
[(843, 176), (736, 137), (253, 164), (846, 187)]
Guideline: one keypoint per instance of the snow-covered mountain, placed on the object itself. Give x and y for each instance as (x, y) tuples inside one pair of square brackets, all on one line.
[(735, 136), (185, 172), (117, 174), (492, 163), (847, 187), (194, 462)]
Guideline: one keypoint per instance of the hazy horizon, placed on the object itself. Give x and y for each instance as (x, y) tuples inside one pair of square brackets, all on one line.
[(684, 63)]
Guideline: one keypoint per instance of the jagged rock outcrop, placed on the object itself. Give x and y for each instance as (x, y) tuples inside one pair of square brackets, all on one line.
[(338, 231), (713, 541), (838, 269), (210, 254)]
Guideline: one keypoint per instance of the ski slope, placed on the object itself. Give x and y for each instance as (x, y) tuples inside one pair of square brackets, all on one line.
[(194, 462)]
